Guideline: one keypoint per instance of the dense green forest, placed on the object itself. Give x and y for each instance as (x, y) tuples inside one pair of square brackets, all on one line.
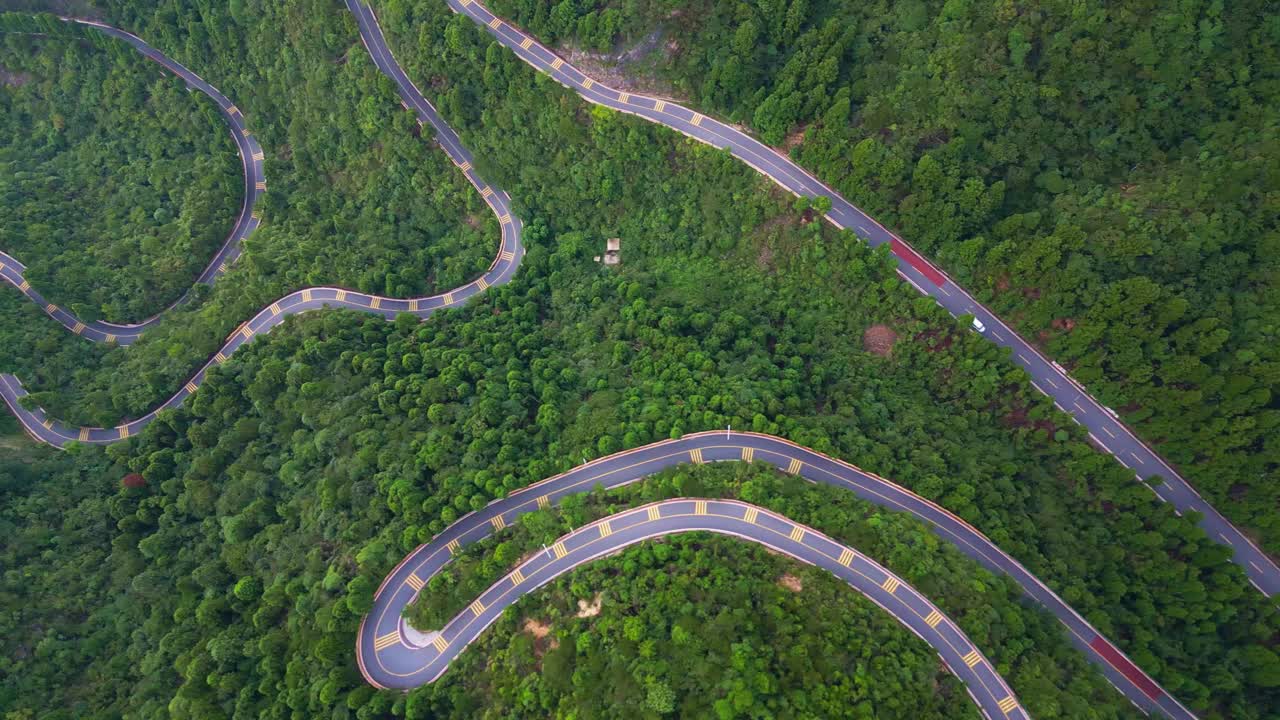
[(1102, 174), (118, 185), (230, 584)]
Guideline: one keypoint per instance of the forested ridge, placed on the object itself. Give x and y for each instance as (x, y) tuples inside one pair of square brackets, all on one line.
[(117, 184), (227, 579), (1101, 174)]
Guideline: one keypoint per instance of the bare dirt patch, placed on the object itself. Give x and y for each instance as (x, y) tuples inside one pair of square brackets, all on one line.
[(537, 628), (474, 221), (590, 609), (879, 340), (795, 138), (1064, 324), (791, 582)]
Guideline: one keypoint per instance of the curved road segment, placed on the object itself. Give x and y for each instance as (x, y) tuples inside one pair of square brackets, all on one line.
[(251, 157), (1104, 426), (510, 252), (390, 657)]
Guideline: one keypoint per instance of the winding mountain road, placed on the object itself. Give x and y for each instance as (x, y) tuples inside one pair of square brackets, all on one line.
[(1105, 429), (251, 157), (390, 656)]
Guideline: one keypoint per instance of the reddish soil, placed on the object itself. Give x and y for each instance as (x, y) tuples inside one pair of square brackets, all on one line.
[(879, 340)]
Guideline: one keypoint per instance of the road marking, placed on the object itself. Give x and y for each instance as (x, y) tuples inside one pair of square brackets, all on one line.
[(997, 335), (1038, 388), (246, 331), (795, 466), (233, 110), (659, 105), (413, 305), (557, 64), (486, 191), (526, 43), (1100, 443), (750, 515), (700, 507), (191, 387), (797, 534), (933, 619), (1024, 359), (448, 298), (1007, 704), (222, 268), (696, 456), (245, 132), (605, 530), (864, 230), (1224, 539), (465, 166), (342, 296), (260, 185), (495, 23), (973, 658), (1051, 382), (482, 283), (306, 296), (890, 584), (375, 302), (24, 286), (124, 431), (559, 550), (454, 546), (275, 309), (47, 423), (655, 513), (84, 434), (507, 255), (386, 641), (219, 357), (517, 577), (258, 155), (504, 219), (79, 328), (1255, 566), (1107, 430), (477, 607), (587, 83), (440, 643), (544, 502), (697, 119), (414, 582), (497, 522), (748, 454), (846, 557), (51, 308), (624, 97), (943, 290), (111, 338)]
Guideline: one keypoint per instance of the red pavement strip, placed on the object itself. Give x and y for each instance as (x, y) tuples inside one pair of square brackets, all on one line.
[(913, 258), (1126, 668)]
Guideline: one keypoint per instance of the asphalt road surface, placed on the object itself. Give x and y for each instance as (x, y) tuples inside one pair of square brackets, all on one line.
[(391, 658), (388, 656)]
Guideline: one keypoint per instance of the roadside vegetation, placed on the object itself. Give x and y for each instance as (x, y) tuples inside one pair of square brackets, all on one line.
[(118, 185), (228, 579), (1101, 174)]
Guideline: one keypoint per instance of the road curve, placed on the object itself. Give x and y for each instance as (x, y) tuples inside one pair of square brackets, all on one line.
[(1106, 430), (40, 426), (390, 657), (251, 158), (632, 465)]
